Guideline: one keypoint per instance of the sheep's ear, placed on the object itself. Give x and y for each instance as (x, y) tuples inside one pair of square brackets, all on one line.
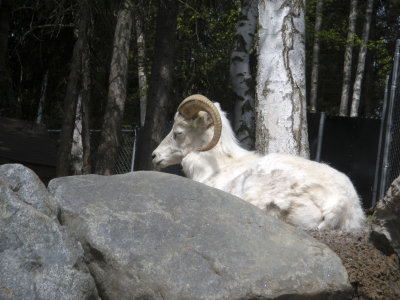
[(203, 120)]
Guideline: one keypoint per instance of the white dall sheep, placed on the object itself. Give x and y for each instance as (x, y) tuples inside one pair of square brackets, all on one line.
[(296, 190)]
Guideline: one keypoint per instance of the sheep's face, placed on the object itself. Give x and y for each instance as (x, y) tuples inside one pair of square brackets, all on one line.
[(186, 136)]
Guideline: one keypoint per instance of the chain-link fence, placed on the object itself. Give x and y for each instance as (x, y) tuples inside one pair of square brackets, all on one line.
[(126, 151)]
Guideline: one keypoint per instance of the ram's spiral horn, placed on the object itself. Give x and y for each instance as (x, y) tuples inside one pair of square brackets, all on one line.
[(190, 107)]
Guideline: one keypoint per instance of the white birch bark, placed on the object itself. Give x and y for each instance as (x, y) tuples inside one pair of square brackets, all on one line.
[(241, 79), (348, 58), (141, 69), (281, 123), (315, 58), (42, 97), (355, 103)]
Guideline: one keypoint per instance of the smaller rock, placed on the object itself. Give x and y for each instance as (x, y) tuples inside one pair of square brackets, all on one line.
[(385, 223), (38, 259), (28, 187)]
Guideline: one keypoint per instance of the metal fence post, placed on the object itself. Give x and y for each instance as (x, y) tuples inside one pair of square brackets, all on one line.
[(378, 158), (320, 137), (134, 149), (385, 162)]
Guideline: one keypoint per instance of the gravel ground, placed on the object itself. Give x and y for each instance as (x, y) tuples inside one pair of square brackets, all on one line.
[(372, 274)]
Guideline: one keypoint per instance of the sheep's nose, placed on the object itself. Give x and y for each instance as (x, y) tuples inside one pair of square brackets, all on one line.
[(153, 156)]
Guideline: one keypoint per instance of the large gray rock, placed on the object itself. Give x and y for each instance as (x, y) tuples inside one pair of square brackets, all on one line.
[(385, 222), (37, 258), (157, 236)]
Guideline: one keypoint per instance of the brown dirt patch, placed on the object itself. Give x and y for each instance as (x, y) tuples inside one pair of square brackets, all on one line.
[(372, 274)]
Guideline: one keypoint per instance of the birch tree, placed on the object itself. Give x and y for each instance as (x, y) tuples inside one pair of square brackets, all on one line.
[(361, 60), (348, 58), (315, 57), (110, 134), (281, 123), (241, 78)]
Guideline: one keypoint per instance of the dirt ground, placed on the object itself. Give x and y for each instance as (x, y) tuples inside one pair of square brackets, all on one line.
[(372, 274)]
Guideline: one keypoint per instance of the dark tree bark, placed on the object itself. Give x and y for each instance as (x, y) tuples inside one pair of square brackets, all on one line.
[(315, 57), (71, 96), (159, 84), (42, 97), (141, 47), (6, 93), (80, 149), (85, 93), (109, 141), (5, 10)]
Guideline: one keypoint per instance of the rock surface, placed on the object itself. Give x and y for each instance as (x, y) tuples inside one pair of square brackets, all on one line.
[(157, 236), (38, 260), (28, 187), (385, 222)]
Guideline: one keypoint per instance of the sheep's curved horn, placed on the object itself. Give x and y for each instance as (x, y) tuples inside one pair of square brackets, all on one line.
[(195, 103)]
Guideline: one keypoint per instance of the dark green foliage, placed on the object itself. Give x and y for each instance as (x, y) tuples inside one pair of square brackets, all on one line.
[(205, 34)]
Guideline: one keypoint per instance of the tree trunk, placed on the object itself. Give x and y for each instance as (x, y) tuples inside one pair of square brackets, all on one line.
[(281, 123), (77, 147), (141, 47), (5, 11), (160, 83), (86, 96), (6, 89), (361, 60), (80, 150), (42, 97), (113, 116), (348, 57), (241, 78), (71, 96), (315, 58)]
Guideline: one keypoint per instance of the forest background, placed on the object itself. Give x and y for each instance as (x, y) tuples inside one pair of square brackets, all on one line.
[(40, 38)]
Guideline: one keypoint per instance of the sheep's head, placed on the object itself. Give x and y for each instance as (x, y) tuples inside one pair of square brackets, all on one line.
[(197, 127)]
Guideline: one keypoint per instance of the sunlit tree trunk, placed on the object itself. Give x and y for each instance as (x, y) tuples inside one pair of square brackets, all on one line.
[(71, 96), (110, 134), (315, 57), (77, 147), (361, 60), (160, 84), (80, 150), (348, 58), (241, 78), (281, 123), (140, 41)]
